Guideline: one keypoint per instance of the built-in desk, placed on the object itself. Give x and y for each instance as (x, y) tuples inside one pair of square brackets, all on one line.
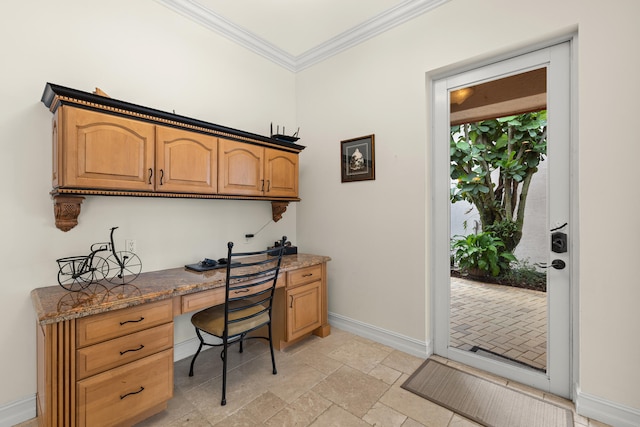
[(105, 354)]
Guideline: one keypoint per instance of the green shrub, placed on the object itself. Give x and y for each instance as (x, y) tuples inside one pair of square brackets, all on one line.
[(525, 275), (481, 253)]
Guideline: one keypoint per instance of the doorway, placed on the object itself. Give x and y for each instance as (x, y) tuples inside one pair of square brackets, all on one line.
[(539, 80)]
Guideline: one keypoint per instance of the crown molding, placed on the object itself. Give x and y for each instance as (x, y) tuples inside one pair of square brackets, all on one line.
[(380, 23), (211, 20)]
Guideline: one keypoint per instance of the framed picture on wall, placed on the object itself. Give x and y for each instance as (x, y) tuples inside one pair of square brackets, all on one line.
[(357, 159)]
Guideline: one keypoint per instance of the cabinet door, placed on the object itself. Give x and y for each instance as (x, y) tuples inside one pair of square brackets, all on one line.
[(304, 309), (281, 173), (104, 151), (186, 162), (240, 168)]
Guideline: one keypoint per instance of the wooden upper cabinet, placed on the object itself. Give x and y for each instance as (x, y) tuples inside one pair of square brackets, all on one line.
[(240, 168), (250, 170), (281, 173), (94, 150), (186, 162)]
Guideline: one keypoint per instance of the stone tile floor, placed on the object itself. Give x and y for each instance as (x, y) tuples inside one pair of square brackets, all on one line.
[(341, 380), (508, 321)]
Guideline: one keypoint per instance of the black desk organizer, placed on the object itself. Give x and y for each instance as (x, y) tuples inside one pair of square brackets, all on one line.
[(208, 264)]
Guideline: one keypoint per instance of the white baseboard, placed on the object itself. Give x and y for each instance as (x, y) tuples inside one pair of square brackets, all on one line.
[(399, 342), (185, 349), (17, 412), (605, 411)]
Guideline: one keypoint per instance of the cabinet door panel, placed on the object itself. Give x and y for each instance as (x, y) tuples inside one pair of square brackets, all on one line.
[(240, 168), (185, 161), (105, 151), (304, 309), (281, 173)]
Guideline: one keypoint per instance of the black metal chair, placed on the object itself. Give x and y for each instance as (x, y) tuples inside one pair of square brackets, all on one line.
[(250, 287)]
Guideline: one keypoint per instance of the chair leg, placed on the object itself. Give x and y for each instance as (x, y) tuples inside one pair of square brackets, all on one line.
[(241, 341), (273, 358), (224, 372), (197, 352)]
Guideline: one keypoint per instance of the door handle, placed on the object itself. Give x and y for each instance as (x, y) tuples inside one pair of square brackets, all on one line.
[(558, 264)]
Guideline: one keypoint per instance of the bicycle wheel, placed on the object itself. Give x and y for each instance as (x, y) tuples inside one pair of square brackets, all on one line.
[(72, 277), (124, 271), (100, 269), (75, 276)]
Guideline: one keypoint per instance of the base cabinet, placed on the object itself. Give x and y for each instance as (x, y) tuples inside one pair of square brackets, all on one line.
[(111, 369), (116, 368)]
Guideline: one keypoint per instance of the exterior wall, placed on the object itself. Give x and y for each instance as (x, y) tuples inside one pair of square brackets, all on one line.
[(376, 232), (139, 52)]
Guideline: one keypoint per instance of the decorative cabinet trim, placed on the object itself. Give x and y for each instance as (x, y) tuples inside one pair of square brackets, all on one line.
[(70, 144)]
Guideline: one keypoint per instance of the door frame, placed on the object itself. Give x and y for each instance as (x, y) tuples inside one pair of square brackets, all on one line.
[(438, 238)]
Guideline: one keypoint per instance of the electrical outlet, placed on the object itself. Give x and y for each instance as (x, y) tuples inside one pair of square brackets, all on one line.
[(130, 245)]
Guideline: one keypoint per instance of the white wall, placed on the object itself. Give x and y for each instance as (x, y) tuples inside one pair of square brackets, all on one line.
[(375, 230), (142, 53)]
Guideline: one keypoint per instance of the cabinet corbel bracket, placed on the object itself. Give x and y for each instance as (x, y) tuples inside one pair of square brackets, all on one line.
[(66, 210), (278, 209)]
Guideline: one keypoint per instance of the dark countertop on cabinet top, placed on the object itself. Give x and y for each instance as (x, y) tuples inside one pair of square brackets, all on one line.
[(55, 304)]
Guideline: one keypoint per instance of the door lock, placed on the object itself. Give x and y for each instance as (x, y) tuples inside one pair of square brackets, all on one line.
[(558, 242)]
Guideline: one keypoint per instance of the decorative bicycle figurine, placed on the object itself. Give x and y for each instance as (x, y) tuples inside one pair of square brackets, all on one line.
[(78, 272)]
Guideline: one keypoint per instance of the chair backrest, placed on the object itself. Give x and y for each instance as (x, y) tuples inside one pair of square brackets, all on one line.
[(250, 285)]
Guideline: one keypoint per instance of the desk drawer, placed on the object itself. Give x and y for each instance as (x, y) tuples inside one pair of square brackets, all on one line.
[(200, 300), (102, 327), (115, 396), (206, 299), (97, 358), (304, 275)]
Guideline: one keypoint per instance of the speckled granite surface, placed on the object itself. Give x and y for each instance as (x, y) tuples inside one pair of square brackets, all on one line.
[(55, 304)]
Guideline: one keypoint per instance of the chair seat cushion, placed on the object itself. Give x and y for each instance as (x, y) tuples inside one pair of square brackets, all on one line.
[(211, 320)]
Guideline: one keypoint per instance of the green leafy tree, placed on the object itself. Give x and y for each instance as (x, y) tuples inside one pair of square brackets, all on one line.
[(493, 162)]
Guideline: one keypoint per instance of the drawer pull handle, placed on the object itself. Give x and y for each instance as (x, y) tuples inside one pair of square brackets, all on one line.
[(133, 392), (241, 292), (132, 321), (291, 303), (133, 349), (307, 275), (150, 175)]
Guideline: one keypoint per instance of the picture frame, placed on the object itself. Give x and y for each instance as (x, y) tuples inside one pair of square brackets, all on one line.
[(357, 159)]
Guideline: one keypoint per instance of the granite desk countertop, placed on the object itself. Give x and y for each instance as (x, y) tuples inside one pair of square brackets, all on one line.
[(55, 304)]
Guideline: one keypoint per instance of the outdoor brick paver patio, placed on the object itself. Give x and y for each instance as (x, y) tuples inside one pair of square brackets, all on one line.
[(508, 321)]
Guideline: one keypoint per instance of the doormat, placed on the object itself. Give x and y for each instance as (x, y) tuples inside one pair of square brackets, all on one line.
[(483, 401)]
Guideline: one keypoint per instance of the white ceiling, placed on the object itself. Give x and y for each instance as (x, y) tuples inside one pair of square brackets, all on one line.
[(299, 33)]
